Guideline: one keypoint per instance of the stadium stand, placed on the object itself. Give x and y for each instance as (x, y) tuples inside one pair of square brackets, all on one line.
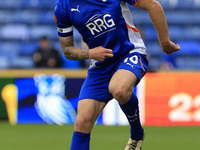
[(23, 22)]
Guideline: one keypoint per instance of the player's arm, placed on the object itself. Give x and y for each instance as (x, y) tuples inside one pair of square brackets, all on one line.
[(65, 34), (158, 19), (73, 53)]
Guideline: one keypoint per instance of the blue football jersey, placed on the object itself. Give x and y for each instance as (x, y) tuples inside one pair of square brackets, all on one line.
[(106, 23)]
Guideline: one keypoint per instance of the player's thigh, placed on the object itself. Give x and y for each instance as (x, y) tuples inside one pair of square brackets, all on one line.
[(89, 110), (122, 82), (128, 74)]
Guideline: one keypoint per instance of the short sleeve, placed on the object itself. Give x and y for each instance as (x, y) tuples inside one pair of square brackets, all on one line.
[(132, 2), (62, 20)]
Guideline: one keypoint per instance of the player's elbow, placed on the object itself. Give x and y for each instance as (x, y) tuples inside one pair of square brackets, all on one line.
[(69, 56), (68, 53), (150, 5), (154, 5)]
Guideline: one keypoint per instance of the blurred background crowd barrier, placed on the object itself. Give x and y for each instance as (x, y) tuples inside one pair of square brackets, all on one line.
[(24, 22), (52, 97)]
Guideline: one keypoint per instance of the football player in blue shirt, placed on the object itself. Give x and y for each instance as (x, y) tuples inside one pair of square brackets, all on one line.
[(118, 59)]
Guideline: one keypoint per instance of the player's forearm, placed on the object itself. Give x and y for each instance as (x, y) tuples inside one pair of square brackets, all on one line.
[(158, 19), (70, 51), (74, 53)]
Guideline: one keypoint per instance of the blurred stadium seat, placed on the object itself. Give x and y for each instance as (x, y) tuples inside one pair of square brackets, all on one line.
[(4, 62), (38, 31), (154, 49), (9, 49), (22, 62), (15, 32), (189, 48), (27, 20), (27, 48)]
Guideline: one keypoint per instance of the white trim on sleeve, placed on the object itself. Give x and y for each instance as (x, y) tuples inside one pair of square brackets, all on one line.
[(65, 30)]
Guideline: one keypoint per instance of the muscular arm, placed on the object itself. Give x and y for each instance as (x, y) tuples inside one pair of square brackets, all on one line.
[(158, 19), (70, 51), (73, 53)]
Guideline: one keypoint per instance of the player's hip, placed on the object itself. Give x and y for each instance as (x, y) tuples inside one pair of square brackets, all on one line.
[(110, 66)]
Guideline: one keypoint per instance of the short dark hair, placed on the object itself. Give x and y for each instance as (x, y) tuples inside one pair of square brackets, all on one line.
[(44, 38)]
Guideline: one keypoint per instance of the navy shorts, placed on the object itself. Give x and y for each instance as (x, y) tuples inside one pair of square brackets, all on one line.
[(96, 84)]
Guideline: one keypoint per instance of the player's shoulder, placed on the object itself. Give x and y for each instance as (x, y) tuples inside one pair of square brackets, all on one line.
[(63, 4), (62, 7)]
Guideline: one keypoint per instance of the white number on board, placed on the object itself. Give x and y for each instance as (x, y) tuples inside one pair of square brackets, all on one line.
[(182, 104)]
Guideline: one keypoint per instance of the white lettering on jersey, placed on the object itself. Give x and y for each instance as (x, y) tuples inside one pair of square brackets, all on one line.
[(110, 21), (100, 24), (92, 28)]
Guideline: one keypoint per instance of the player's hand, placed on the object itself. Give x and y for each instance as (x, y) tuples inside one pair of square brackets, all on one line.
[(169, 47), (100, 53)]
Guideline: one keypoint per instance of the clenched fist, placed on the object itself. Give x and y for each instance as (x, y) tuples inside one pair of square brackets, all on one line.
[(100, 53), (169, 47)]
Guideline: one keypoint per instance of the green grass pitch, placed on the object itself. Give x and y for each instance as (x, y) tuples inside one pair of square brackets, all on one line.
[(53, 137)]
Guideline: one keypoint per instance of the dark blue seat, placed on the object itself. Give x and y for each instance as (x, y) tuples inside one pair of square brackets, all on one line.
[(178, 33), (48, 3), (192, 33), (27, 16), (22, 62), (150, 34), (28, 48), (31, 3), (190, 48), (46, 17), (181, 4), (188, 4), (9, 49), (154, 64), (186, 63), (197, 64), (154, 49), (4, 62), (38, 31), (10, 4), (8, 18), (179, 17), (141, 17), (14, 32)]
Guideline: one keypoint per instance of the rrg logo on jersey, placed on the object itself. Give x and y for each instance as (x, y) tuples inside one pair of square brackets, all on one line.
[(100, 24)]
